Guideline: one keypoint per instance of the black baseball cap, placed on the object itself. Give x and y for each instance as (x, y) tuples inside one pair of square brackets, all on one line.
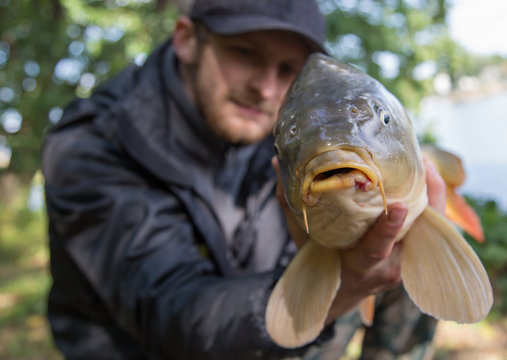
[(232, 17)]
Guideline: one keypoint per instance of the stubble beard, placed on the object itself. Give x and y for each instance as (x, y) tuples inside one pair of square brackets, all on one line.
[(226, 123)]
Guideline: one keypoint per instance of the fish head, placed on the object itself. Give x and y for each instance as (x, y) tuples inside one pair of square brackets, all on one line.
[(341, 132)]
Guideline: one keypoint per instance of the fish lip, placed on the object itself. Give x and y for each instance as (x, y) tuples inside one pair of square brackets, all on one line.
[(342, 157)]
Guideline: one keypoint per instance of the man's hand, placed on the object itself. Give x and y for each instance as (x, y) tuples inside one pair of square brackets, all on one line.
[(373, 265), (436, 187)]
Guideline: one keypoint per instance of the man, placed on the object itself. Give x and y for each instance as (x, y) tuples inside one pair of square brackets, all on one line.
[(166, 235)]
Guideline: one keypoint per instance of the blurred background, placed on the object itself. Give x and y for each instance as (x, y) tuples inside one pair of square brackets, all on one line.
[(445, 59)]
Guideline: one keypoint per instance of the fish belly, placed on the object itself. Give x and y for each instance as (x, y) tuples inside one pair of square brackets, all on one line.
[(341, 217)]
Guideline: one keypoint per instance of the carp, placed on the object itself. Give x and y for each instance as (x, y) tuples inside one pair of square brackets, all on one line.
[(347, 149)]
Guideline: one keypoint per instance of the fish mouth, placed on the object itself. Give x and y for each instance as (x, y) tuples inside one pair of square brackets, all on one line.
[(340, 178), (341, 168)]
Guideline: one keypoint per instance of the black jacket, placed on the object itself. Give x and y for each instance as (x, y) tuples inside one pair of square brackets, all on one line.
[(165, 241)]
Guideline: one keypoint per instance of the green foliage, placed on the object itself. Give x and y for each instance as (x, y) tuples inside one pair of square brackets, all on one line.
[(392, 40), (493, 252), (402, 43), (24, 277), (53, 51)]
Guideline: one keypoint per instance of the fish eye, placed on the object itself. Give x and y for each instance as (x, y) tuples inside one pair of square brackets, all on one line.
[(384, 117), (292, 130)]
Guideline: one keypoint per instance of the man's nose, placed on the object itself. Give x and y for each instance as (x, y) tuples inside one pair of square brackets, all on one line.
[(266, 82)]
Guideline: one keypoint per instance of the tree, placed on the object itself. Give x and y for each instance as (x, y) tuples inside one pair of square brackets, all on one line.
[(54, 50), (392, 40)]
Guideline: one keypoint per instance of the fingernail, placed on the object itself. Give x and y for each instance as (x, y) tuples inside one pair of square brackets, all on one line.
[(429, 164), (396, 216)]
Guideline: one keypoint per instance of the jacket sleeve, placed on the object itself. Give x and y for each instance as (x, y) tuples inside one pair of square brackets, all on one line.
[(133, 241)]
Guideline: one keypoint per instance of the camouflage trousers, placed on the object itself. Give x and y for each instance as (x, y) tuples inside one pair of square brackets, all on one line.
[(399, 331)]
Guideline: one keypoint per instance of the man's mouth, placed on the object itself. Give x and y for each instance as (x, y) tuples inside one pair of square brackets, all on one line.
[(253, 110)]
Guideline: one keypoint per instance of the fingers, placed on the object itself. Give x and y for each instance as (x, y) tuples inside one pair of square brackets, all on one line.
[(436, 187), (373, 265), (378, 242)]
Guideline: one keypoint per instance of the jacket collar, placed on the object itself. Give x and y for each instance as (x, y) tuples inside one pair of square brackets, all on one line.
[(193, 134), (170, 137)]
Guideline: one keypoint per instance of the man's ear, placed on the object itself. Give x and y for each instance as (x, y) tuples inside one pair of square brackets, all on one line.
[(185, 40)]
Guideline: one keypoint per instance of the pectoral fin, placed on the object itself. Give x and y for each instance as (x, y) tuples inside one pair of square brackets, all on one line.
[(298, 306), (367, 310), (441, 273), (459, 212), (449, 165), (452, 171)]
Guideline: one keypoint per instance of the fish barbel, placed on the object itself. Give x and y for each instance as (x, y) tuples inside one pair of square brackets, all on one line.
[(347, 149)]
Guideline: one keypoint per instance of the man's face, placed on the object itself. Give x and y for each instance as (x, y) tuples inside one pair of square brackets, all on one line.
[(240, 81)]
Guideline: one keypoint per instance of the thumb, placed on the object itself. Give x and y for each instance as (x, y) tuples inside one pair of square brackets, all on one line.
[(378, 242)]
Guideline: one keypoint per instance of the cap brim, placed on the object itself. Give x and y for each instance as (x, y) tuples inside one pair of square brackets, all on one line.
[(227, 25)]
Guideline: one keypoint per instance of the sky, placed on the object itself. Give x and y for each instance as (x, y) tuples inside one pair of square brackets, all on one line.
[(480, 26)]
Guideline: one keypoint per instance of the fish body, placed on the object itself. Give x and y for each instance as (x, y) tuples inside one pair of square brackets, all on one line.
[(347, 149)]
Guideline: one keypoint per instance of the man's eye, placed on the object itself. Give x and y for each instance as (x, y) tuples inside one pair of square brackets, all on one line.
[(288, 70), (243, 51)]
